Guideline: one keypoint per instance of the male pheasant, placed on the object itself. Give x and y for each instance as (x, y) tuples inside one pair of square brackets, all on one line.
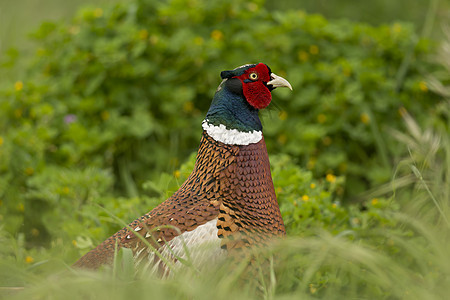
[(228, 200)]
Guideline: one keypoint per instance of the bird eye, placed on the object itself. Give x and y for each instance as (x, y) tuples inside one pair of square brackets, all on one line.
[(253, 76)]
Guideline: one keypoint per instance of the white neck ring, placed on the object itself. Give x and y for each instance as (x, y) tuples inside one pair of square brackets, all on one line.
[(231, 136)]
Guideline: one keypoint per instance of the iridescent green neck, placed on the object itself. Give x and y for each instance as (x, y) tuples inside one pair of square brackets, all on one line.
[(229, 108)]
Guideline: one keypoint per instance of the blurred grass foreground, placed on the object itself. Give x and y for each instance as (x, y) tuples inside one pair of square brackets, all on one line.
[(110, 105)]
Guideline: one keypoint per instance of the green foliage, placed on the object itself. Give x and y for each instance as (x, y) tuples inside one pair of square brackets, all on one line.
[(309, 204), (116, 96), (96, 130)]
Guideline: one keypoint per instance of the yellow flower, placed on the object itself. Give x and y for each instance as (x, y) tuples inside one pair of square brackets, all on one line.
[(303, 56), (321, 118), (98, 12), (334, 205), (18, 86), (312, 288), (74, 243), (374, 201), (21, 207), (104, 115), (176, 174), (198, 40), (217, 35), (65, 190), (29, 171), (365, 118), (347, 71), (282, 115), (397, 28), (313, 49), (143, 34), (29, 259), (305, 198), (188, 106), (1, 141), (312, 185), (282, 139), (423, 86), (330, 178), (40, 52)]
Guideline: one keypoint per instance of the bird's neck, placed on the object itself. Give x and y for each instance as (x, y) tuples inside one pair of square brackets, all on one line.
[(231, 120)]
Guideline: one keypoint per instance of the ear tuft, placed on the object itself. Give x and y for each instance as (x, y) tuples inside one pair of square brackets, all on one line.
[(236, 72), (226, 74)]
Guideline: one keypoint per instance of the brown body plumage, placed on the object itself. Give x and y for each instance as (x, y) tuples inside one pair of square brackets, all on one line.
[(231, 183)]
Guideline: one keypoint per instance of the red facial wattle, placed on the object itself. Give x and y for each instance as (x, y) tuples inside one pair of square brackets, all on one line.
[(255, 91)]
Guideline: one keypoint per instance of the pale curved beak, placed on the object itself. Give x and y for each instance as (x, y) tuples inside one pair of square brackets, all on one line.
[(278, 81)]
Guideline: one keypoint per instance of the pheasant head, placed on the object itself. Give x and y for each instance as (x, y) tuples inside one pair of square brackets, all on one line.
[(238, 99)]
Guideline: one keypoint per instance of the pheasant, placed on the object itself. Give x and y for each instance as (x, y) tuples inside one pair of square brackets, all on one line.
[(228, 201)]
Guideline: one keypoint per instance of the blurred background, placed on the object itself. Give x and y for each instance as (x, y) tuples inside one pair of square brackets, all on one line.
[(17, 20), (101, 104)]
